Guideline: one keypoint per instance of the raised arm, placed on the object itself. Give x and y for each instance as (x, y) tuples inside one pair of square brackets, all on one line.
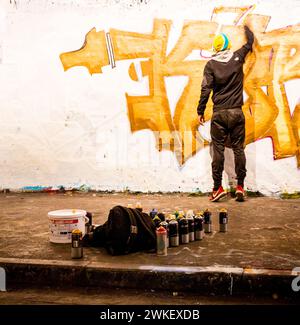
[(243, 51)]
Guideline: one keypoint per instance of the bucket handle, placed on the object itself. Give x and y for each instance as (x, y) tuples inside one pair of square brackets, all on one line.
[(86, 219)]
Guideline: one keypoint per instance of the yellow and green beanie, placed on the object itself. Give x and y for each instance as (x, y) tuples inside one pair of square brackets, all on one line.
[(221, 43)]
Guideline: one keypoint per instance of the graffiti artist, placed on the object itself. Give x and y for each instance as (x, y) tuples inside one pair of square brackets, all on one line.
[(223, 75)]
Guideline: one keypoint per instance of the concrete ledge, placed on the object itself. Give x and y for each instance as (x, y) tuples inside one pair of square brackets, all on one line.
[(220, 280)]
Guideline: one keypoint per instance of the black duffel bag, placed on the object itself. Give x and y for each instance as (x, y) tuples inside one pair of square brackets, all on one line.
[(126, 231)]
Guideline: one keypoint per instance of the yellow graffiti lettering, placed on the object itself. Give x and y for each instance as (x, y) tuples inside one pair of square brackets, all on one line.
[(92, 55), (152, 111), (275, 59)]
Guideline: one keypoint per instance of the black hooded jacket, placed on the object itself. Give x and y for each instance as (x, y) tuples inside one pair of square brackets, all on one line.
[(223, 74)]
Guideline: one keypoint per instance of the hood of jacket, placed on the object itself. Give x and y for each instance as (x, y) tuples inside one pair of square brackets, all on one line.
[(223, 56)]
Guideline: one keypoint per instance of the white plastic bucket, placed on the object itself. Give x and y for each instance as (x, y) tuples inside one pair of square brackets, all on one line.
[(63, 222)]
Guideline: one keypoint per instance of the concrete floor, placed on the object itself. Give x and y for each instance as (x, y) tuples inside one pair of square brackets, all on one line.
[(263, 232)]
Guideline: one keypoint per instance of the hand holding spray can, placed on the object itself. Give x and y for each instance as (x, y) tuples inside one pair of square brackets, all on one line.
[(207, 221), (223, 220), (161, 241)]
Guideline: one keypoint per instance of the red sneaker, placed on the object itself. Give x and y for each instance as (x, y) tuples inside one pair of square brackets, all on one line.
[(216, 195), (240, 193)]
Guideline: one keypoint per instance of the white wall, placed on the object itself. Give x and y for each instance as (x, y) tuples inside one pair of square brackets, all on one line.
[(71, 128)]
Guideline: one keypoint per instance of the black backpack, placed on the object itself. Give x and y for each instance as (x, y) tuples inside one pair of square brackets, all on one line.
[(126, 231)]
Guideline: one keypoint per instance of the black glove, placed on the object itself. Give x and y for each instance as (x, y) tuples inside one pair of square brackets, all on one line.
[(249, 34)]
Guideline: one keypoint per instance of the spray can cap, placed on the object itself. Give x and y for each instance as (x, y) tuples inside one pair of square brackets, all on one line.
[(138, 205), (163, 223), (223, 210), (76, 234), (190, 213), (156, 218), (171, 217), (161, 216), (161, 230), (180, 216)]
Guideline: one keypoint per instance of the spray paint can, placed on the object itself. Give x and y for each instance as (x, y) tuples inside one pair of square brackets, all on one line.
[(161, 216), (207, 221), (138, 206), (170, 217), (223, 220), (176, 214), (180, 215), (189, 213), (166, 226), (183, 230), (76, 246), (173, 233), (153, 213), (191, 224), (156, 221), (199, 233), (88, 225), (161, 241)]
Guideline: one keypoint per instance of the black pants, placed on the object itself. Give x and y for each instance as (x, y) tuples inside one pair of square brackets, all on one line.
[(228, 124)]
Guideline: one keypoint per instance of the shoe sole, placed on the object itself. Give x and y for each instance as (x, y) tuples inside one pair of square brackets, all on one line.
[(240, 197), (217, 198)]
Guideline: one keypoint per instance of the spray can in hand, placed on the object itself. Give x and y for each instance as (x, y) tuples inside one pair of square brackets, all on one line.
[(207, 221), (161, 241), (223, 220)]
